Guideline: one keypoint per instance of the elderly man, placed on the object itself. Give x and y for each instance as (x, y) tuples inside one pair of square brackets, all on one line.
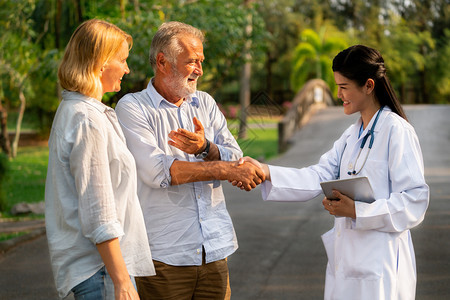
[(182, 148)]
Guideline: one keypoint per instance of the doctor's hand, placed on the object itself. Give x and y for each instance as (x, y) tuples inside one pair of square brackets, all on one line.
[(344, 207), (187, 141)]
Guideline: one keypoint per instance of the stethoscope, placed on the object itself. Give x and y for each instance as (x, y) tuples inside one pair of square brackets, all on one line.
[(363, 143)]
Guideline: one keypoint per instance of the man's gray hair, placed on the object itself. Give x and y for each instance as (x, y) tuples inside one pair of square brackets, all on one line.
[(166, 40)]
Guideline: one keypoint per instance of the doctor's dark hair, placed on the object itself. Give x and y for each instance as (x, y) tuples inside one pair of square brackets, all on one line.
[(359, 63)]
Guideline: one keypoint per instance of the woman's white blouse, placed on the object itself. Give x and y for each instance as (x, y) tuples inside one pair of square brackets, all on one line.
[(90, 193)]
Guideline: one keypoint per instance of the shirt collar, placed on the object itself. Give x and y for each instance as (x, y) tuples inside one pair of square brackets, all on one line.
[(157, 99), (70, 95), (384, 113)]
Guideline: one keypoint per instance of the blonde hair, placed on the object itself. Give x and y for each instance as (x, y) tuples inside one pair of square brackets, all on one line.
[(92, 44)]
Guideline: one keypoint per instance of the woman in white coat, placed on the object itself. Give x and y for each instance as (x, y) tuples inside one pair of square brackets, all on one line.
[(370, 251)]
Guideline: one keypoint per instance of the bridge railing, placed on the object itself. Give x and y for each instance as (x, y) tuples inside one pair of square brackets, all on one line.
[(314, 95)]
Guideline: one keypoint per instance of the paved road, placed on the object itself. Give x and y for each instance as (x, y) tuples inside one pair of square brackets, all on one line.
[(281, 255)]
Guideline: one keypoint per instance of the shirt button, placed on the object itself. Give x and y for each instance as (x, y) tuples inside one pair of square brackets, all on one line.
[(201, 220), (198, 251)]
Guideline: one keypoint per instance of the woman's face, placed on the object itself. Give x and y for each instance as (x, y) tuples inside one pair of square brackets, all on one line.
[(114, 69), (354, 97)]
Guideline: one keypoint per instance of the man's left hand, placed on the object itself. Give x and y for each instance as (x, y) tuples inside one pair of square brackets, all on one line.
[(187, 141)]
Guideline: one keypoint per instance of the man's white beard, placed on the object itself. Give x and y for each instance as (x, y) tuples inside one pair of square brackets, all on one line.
[(181, 86)]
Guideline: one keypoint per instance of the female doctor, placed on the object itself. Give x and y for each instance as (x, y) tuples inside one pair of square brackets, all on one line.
[(370, 251)]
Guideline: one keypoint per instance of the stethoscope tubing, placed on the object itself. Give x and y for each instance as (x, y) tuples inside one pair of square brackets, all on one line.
[(363, 143)]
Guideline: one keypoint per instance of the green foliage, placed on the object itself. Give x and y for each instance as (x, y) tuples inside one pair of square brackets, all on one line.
[(223, 22), (142, 27), (410, 38), (313, 57), (413, 38), (439, 79), (403, 52), (282, 27), (17, 52)]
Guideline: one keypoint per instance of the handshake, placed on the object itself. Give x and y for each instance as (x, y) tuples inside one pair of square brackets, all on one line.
[(248, 174)]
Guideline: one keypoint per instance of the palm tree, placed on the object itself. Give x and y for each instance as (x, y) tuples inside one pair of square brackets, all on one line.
[(313, 57)]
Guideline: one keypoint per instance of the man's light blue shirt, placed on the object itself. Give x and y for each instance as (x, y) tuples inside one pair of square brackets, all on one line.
[(179, 219)]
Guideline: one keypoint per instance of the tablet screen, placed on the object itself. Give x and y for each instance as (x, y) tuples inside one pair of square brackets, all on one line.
[(358, 188)]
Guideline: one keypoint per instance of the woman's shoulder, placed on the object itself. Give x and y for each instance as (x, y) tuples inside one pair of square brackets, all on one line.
[(398, 126), (396, 121)]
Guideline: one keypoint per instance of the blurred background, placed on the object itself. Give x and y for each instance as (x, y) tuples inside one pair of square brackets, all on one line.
[(268, 65), (252, 47)]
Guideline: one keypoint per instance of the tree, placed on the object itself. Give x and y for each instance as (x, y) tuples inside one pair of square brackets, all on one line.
[(282, 29), (313, 57), (245, 91), (224, 23), (439, 79), (401, 48), (17, 57)]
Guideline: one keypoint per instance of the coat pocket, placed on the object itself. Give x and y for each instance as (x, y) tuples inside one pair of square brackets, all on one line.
[(328, 243), (362, 254)]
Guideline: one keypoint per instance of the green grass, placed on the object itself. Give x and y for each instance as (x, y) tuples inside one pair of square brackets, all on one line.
[(8, 236), (261, 143), (26, 177)]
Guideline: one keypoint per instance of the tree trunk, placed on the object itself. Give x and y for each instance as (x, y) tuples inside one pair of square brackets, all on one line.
[(136, 6), (4, 137), (58, 23), (122, 4), (269, 74), (15, 143), (78, 11), (244, 94)]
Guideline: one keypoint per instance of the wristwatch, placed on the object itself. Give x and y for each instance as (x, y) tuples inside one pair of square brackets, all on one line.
[(205, 152)]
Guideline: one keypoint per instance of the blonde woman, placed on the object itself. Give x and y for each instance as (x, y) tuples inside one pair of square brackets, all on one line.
[(95, 228)]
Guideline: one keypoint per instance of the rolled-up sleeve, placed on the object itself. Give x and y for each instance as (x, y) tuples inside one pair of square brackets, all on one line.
[(89, 166), (153, 164)]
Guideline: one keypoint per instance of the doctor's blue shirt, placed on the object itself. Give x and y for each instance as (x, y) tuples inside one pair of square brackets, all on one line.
[(181, 220)]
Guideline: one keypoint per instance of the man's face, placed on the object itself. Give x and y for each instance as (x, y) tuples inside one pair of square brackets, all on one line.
[(187, 68)]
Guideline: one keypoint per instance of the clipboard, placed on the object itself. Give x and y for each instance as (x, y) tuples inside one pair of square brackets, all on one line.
[(358, 188)]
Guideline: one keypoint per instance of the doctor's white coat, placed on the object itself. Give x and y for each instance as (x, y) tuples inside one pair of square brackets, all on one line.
[(371, 257)]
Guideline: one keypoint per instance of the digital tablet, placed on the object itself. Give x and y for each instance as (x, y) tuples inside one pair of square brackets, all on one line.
[(357, 188)]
